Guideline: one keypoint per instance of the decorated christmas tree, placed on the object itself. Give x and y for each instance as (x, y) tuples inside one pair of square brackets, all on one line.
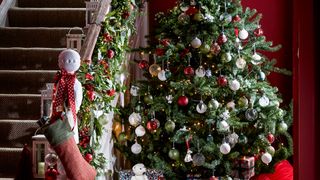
[(205, 106)]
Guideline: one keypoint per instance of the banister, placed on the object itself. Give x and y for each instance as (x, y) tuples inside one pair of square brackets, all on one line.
[(93, 30)]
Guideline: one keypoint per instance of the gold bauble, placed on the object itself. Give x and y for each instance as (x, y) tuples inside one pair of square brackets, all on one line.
[(154, 69)]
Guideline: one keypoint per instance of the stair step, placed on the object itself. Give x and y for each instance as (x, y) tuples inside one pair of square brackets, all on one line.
[(16, 133), (23, 82), (29, 58), (51, 3), (20, 106), (33, 37), (9, 158), (46, 17)]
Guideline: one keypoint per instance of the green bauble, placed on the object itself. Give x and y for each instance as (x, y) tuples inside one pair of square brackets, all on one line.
[(213, 104), (226, 57), (174, 154), (204, 48), (148, 99), (198, 16), (243, 139), (243, 102), (271, 150), (169, 126), (122, 137), (282, 127), (168, 74), (139, 107)]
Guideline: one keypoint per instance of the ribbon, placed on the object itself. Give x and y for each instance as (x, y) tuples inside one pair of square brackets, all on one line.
[(65, 92)]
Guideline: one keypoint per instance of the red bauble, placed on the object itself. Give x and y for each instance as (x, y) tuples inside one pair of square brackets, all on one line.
[(270, 138), (111, 92), (160, 52), (236, 32), (258, 32), (110, 54), (215, 49), (107, 37), (88, 157), (213, 178), (51, 174), (189, 71), (183, 101), (152, 125), (165, 42), (89, 87), (91, 95), (192, 10), (236, 18), (222, 81), (222, 39), (89, 77), (143, 64)]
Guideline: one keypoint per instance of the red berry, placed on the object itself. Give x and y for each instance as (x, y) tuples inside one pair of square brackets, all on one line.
[(160, 52), (111, 92), (110, 54), (89, 77), (107, 37), (236, 18), (88, 157), (91, 95), (192, 10), (165, 42), (143, 64), (258, 32), (125, 15)]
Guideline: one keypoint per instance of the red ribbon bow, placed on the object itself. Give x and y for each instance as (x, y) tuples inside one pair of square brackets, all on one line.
[(65, 92)]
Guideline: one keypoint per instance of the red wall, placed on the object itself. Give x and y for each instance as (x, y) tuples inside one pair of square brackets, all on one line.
[(276, 23)]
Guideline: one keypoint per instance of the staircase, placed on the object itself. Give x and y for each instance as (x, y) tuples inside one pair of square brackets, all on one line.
[(29, 48)]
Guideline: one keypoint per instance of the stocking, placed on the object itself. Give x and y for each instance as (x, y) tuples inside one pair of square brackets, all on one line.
[(60, 137)]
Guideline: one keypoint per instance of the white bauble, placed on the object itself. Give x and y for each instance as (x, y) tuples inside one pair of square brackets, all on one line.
[(231, 105), (196, 43), (134, 119), (223, 125), (243, 34), (225, 148), (136, 148), (201, 107), (256, 59), (200, 71), (162, 75), (234, 85), (140, 131), (241, 63), (266, 158), (134, 90), (264, 101)]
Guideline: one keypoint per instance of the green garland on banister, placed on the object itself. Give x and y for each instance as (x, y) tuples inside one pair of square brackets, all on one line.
[(100, 78)]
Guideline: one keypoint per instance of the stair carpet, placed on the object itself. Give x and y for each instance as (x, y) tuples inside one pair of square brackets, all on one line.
[(29, 49)]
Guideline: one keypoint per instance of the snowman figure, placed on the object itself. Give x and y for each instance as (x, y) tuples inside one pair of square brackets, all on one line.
[(139, 170), (68, 90)]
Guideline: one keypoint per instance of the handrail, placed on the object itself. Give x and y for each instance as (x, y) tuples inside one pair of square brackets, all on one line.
[(93, 31)]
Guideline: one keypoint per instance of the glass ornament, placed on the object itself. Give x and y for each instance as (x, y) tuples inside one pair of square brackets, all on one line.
[(134, 119), (201, 107), (51, 159), (154, 69), (134, 90), (136, 148), (174, 154), (232, 139), (188, 71), (198, 159), (271, 150), (169, 126), (140, 131), (243, 139), (251, 114), (256, 59), (213, 104), (200, 71), (208, 73), (162, 75), (282, 126), (266, 158), (241, 63), (243, 34), (264, 101), (215, 49), (234, 85), (226, 57), (225, 148), (196, 43)]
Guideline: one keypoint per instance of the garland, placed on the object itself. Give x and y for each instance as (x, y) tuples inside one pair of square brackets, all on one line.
[(101, 78)]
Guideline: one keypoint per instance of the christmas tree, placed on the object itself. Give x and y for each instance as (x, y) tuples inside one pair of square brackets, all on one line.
[(205, 106)]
